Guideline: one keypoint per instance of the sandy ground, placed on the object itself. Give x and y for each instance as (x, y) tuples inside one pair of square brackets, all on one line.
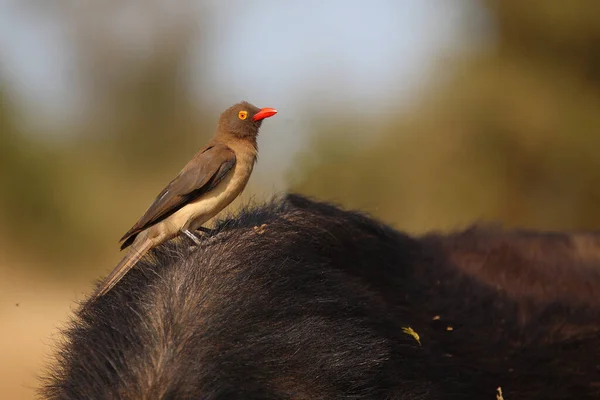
[(31, 312)]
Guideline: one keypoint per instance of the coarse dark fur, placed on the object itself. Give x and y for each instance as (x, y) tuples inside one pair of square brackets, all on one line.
[(312, 305)]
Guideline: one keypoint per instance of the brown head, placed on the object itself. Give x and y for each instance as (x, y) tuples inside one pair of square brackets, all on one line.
[(243, 120)]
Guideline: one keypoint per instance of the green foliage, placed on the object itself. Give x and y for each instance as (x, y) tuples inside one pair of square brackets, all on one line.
[(512, 137)]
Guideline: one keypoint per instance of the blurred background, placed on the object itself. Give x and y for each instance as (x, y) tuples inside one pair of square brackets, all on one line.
[(427, 114)]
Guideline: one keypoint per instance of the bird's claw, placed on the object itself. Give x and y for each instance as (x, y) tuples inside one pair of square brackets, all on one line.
[(192, 236)]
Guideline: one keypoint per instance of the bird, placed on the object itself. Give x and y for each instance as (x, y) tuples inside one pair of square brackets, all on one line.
[(209, 182)]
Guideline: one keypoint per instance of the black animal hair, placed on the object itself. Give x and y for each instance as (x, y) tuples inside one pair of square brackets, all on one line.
[(300, 299)]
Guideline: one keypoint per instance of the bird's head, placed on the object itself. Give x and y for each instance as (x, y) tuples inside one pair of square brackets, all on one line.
[(244, 119)]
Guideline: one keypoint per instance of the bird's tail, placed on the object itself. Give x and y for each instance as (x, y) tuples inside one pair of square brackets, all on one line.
[(137, 251)]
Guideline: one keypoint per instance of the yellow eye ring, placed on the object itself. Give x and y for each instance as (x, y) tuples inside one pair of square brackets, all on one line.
[(243, 115)]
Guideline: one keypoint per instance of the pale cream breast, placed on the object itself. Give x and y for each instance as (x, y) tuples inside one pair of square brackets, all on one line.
[(195, 214)]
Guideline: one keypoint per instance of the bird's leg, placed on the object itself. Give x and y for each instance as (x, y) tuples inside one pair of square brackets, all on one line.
[(191, 236)]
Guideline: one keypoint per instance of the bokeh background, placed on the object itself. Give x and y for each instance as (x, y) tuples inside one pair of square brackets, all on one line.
[(428, 114)]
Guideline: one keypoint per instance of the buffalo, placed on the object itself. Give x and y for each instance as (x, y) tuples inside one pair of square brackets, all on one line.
[(301, 299)]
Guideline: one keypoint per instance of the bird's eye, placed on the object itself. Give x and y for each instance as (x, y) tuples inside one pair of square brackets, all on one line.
[(243, 115)]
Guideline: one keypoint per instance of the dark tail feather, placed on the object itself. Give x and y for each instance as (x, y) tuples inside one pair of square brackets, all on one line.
[(129, 240), (135, 254)]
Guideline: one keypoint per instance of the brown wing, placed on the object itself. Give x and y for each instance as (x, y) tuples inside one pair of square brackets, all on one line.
[(201, 174)]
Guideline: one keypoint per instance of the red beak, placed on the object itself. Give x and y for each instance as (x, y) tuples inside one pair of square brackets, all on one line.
[(264, 113)]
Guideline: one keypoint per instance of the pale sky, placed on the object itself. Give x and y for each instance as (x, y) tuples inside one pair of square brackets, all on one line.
[(286, 50)]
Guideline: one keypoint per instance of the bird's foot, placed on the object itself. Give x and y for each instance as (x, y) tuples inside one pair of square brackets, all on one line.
[(192, 236)]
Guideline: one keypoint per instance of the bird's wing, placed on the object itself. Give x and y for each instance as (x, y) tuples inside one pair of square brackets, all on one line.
[(202, 173)]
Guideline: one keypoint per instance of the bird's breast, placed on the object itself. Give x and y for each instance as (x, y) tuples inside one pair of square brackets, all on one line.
[(211, 203)]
